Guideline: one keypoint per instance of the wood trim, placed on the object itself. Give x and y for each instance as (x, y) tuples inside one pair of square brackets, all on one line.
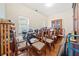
[(8, 40), (1, 39), (5, 38)]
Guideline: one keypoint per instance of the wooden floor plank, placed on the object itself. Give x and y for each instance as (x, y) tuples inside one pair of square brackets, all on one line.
[(55, 50)]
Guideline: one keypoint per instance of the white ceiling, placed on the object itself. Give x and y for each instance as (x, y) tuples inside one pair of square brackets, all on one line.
[(49, 11)]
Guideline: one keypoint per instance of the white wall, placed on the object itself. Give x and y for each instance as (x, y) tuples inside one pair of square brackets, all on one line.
[(36, 20), (2, 10), (67, 17)]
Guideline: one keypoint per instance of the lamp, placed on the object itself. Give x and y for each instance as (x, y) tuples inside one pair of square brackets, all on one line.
[(49, 4)]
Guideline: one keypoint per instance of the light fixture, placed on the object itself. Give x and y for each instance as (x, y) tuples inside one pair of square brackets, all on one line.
[(49, 4)]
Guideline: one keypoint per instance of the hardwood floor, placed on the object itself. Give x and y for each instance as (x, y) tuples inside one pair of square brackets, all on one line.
[(52, 52)]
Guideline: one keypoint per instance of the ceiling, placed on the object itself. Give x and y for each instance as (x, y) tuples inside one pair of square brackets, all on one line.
[(49, 11)]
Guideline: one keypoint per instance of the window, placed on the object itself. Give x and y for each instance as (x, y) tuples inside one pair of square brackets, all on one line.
[(23, 24), (56, 23)]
